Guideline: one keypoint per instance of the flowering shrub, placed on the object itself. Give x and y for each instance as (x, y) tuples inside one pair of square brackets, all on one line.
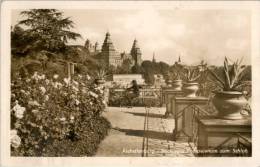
[(47, 111)]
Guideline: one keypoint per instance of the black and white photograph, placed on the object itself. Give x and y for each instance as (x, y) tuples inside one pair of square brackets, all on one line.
[(114, 79)]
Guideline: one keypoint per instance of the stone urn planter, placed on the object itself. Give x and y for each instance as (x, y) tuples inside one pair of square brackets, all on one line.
[(169, 83), (229, 104), (177, 85), (100, 81), (190, 89)]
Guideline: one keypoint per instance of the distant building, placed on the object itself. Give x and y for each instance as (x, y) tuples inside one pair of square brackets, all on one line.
[(91, 48), (136, 53), (111, 56)]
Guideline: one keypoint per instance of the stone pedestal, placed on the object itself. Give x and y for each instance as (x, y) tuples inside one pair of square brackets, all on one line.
[(224, 137), (185, 109), (168, 94)]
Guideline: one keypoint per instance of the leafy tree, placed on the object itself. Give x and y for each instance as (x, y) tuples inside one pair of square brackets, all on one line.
[(47, 29), (136, 69), (125, 68), (163, 68), (148, 71), (20, 40)]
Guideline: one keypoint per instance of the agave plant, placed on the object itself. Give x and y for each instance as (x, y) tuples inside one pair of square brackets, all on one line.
[(175, 72), (191, 74), (174, 75), (101, 74), (231, 75)]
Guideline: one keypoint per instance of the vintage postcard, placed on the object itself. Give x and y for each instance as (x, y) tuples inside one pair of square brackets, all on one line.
[(130, 83)]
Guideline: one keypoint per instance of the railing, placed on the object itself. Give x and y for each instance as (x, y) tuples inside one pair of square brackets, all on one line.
[(198, 111), (195, 111), (145, 94), (244, 143)]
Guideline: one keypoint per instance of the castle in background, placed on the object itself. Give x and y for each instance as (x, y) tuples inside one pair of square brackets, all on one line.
[(111, 56)]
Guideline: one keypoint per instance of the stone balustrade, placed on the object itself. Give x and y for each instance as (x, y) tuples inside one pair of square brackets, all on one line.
[(220, 137), (183, 109), (167, 95)]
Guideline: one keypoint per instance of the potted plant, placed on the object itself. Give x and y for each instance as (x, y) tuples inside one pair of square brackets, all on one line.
[(100, 76), (191, 75), (174, 75), (175, 81), (229, 101)]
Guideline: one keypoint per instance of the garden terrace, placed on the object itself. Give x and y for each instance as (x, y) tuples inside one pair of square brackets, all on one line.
[(193, 129)]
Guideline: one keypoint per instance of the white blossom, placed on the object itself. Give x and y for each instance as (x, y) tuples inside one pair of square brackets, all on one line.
[(43, 90), (47, 81), (15, 139), (35, 76), (57, 85), (63, 119), (19, 111), (77, 102), (28, 80), (41, 77), (46, 98), (88, 77), (80, 76), (93, 94), (55, 76), (35, 111), (66, 80), (33, 103)]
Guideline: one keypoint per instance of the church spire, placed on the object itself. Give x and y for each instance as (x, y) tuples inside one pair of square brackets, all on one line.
[(179, 60), (154, 60)]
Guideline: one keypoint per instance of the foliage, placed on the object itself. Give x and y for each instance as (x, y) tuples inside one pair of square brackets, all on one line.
[(48, 113), (151, 68), (231, 76), (125, 68), (46, 29), (174, 72), (136, 69), (125, 99), (148, 71), (101, 74), (191, 74)]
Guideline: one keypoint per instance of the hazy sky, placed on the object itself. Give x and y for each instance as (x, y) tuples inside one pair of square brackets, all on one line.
[(193, 34)]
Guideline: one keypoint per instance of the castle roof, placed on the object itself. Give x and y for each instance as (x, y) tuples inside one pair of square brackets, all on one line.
[(135, 48), (108, 44)]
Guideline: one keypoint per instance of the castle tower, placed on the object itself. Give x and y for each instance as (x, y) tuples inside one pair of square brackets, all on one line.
[(136, 53), (109, 53)]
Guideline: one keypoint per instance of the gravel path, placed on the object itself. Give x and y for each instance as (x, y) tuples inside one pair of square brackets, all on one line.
[(140, 132)]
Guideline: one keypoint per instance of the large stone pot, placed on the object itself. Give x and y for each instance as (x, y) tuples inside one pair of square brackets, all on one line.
[(100, 81), (177, 85), (190, 89), (229, 104), (169, 83)]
